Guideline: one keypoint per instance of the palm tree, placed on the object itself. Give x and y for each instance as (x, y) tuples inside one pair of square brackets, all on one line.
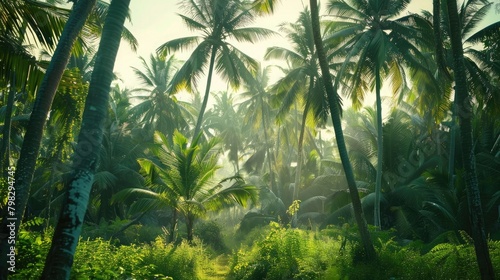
[(257, 113), (381, 44), (227, 123), (480, 69), (333, 102), (67, 232), (302, 81), (45, 95), (218, 21), (181, 177), (159, 110), (465, 115)]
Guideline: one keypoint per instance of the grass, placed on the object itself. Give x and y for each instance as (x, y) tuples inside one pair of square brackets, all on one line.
[(272, 252)]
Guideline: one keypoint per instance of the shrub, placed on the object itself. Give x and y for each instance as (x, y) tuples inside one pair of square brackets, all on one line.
[(209, 233), (285, 254)]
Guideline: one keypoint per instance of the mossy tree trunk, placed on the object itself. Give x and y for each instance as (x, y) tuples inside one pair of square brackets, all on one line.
[(85, 159)]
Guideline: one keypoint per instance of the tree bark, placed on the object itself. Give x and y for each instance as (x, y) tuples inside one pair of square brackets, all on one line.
[(197, 129), (33, 137), (380, 148), (190, 227), (465, 115), (298, 171), (366, 240), (86, 156), (173, 226)]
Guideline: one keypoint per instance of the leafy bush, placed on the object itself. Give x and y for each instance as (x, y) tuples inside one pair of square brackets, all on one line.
[(99, 259), (277, 253), (179, 262), (285, 254), (209, 233)]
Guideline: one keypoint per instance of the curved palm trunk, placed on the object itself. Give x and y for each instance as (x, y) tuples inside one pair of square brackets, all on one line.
[(33, 137), (207, 93), (366, 240), (380, 148), (85, 159), (465, 117), (300, 143)]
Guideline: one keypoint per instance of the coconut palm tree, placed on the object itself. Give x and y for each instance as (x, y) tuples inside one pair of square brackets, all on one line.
[(257, 115), (380, 43), (218, 21), (334, 106), (67, 232), (32, 139), (159, 110), (181, 177), (480, 69), (465, 115), (227, 123), (302, 82)]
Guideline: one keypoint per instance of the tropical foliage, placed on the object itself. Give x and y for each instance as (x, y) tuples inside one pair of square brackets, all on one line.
[(355, 148)]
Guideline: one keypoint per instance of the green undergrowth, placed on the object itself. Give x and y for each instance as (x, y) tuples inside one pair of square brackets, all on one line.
[(272, 252)]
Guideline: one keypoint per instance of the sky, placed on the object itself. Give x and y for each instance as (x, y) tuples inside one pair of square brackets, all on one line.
[(156, 21)]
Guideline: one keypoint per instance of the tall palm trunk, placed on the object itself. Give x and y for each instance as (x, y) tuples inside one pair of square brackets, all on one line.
[(207, 93), (465, 115), (173, 226), (33, 137), (85, 159), (439, 54), (190, 227), (268, 152), (366, 240), (301, 141), (380, 148)]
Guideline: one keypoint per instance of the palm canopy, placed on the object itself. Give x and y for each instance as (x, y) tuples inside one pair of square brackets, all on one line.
[(218, 21), (302, 81), (181, 176), (159, 109), (23, 25), (373, 36)]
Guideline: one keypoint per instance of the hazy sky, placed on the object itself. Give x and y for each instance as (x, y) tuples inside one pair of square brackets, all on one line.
[(156, 21)]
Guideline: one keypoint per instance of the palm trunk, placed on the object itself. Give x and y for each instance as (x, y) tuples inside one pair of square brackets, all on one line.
[(33, 137), (300, 143), (438, 38), (207, 93), (380, 148), (465, 115), (173, 226), (366, 240), (85, 159), (452, 145), (190, 227), (269, 159)]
